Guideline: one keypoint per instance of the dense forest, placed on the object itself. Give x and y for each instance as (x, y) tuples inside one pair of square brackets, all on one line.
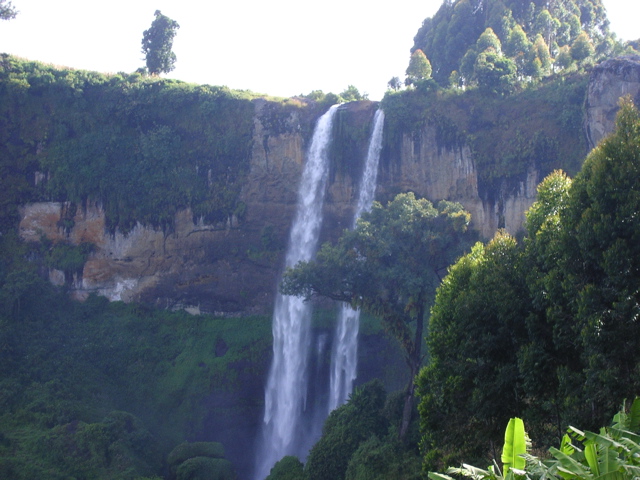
[(541, 325)]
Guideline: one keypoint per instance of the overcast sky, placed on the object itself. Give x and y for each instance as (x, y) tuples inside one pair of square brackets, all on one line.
[(276, 47)]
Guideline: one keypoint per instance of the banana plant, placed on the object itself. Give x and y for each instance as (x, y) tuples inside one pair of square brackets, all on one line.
[(515, 447), (611, 454)]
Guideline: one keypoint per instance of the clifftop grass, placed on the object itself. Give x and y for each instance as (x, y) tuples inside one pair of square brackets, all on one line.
[(142, 147), (538, 127)]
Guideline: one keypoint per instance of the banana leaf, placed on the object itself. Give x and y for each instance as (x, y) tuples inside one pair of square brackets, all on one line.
[(439, 476), (634, 416), (515, 445), (569, 467), (591, 455), (566, 446)]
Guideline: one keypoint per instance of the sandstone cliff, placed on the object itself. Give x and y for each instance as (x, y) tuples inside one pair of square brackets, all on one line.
[(232, 267), (609, 81)]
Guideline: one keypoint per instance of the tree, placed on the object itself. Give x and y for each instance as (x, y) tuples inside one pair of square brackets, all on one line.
[(352, 94), (157, 43), (394, 84), (546, 25), (582, 47), (488, 40), (389, 266), (345, 429), (477, 324), (541, 49), (602, 262), (287, 468), (495, 73), (7, 10), (518, 46), (564, 58), (419, 68), (550, 331)]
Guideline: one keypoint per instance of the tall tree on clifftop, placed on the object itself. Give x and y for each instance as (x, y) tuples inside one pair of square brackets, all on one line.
[(7, 11), (157, 43), (419, 68)]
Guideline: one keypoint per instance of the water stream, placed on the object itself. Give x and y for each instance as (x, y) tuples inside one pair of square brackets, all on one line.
[(344, 357), (286, 390)]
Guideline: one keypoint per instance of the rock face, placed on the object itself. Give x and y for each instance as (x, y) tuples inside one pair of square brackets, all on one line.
[(227, 269), (449, 173), (232, 268), (609, 81)]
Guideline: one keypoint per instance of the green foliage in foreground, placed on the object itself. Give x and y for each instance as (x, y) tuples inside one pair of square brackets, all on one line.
[(612, 453), (547, 329), (141, 147)]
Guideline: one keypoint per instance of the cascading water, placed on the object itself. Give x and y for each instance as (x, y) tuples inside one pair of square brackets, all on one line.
[(286, 390), (344, 357)]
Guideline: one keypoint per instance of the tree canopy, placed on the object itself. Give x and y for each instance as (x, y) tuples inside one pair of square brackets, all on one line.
[(7, 10), (462, 30), (389, 266), (157, 43), (547, 330), (419, 68)]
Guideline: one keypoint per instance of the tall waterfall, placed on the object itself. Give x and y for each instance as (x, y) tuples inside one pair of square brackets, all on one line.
[(286, 390), (344, 357)]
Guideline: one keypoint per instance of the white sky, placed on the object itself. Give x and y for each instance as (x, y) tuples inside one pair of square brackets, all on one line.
[(277, 47)]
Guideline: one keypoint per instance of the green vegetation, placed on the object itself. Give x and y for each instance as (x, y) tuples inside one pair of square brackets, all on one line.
[(611, 453), (501, 45), (199, 461), (419, 68), (143, 148), (7, 11), (288, 468), (157, 43), (107, 390), (545, 329), (389, 266), (359, 441), (537, 128)]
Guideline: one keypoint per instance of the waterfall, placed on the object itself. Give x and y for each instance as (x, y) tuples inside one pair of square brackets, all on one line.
[(344, 357), (286, 390)]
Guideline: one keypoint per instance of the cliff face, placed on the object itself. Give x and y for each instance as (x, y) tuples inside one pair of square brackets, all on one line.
[(228, 268), (233, 267), (450, 173), (609, 81)]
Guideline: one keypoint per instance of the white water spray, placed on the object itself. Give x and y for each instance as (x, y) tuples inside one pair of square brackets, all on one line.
[(286, 390), (344, 357)]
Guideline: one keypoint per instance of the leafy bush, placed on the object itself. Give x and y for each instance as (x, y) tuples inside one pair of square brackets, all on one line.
[(205, 468), (187, 450), (613, 453), (288, 468), (344, 430)]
